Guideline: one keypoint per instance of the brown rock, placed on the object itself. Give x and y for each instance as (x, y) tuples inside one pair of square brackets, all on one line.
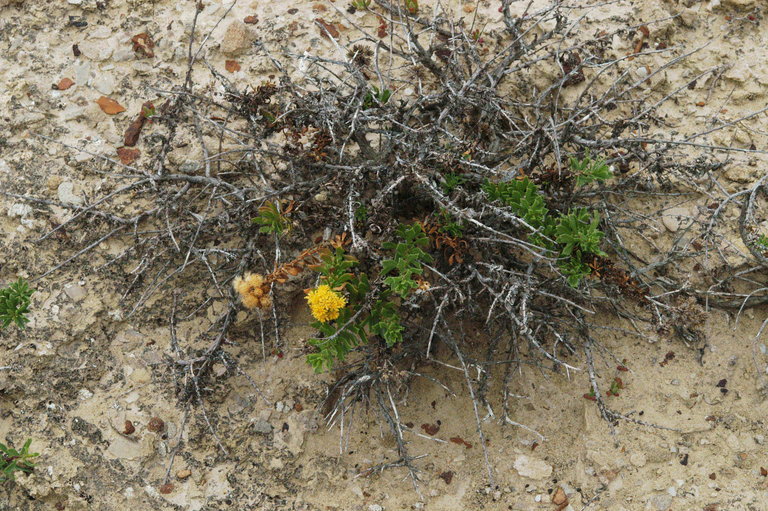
[(156, 425), (236, 39), (183, 474)]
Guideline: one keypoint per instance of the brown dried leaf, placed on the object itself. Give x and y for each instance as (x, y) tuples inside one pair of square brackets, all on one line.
[(110, 106), (447, 477), (143, 44), (166, 488), (430, 429), (128, 155), (65, 84), (460, 441), (326, 28), (382, 31), (231, 66), (131, 136)]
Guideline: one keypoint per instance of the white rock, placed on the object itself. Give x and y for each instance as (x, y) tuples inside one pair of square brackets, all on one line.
[(532, 468), (96, 50), (75, 292), (104, 84), (375, 507), (84, 394), (637, 459), (82, 73), (100, 32), (19, 210), (67, 195)]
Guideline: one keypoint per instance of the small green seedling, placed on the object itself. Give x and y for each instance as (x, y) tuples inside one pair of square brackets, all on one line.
[(762, 242), (376, 98), (272, 220), (12, 461), (361, 4), (451, 181), (589, 170), (412, 6), (14, 304)]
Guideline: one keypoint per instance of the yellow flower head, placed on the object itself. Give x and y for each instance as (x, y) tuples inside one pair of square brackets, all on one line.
[(325, 303), (253, 290)]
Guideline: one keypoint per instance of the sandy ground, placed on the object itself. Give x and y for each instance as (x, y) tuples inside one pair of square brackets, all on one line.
[(80, 371)]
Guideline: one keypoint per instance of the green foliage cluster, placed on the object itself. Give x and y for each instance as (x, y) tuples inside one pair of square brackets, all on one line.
[(357, 322), (271, 220), (762, 242), (361, 4), (588, 170), (571, 235), (451, 181), (14, 304), (375, 98), (407, 259), (12, 461)]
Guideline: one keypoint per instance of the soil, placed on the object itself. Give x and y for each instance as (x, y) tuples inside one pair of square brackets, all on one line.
[(80, 370)]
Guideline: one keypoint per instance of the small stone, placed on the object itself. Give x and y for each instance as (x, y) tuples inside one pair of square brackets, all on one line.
[(183, 474), (75, 292), (156, 425), (19, 210), (67, 195), (375, 507), (673, 218), (532, 468), (84, 394), (659, 503), (96, 50), (262, 427), (236, 39), (637, 459), (559, 498)]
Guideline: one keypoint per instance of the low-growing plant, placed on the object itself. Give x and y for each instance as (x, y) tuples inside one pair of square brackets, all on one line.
[(452, 181), (412, 6), (361, 4), (14, 304), (376, 98), (573, 235), (272, 220), (588, 170), (12, 461), (349, 310)]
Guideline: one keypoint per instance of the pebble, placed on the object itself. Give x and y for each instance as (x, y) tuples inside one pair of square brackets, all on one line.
[(375, 507), (673, 218), (659, 503), (262, 427), (96, 50), (75, 292), (82, 73), (637, 459), (19, 210), (532, 468), (183, 474), (67, 195), (236, 39)]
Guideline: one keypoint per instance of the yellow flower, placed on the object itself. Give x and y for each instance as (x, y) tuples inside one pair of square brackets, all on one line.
[(325, 303), (253, 290)]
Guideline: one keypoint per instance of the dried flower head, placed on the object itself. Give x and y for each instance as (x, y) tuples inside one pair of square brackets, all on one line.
[(325, 303), (253, 290)]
